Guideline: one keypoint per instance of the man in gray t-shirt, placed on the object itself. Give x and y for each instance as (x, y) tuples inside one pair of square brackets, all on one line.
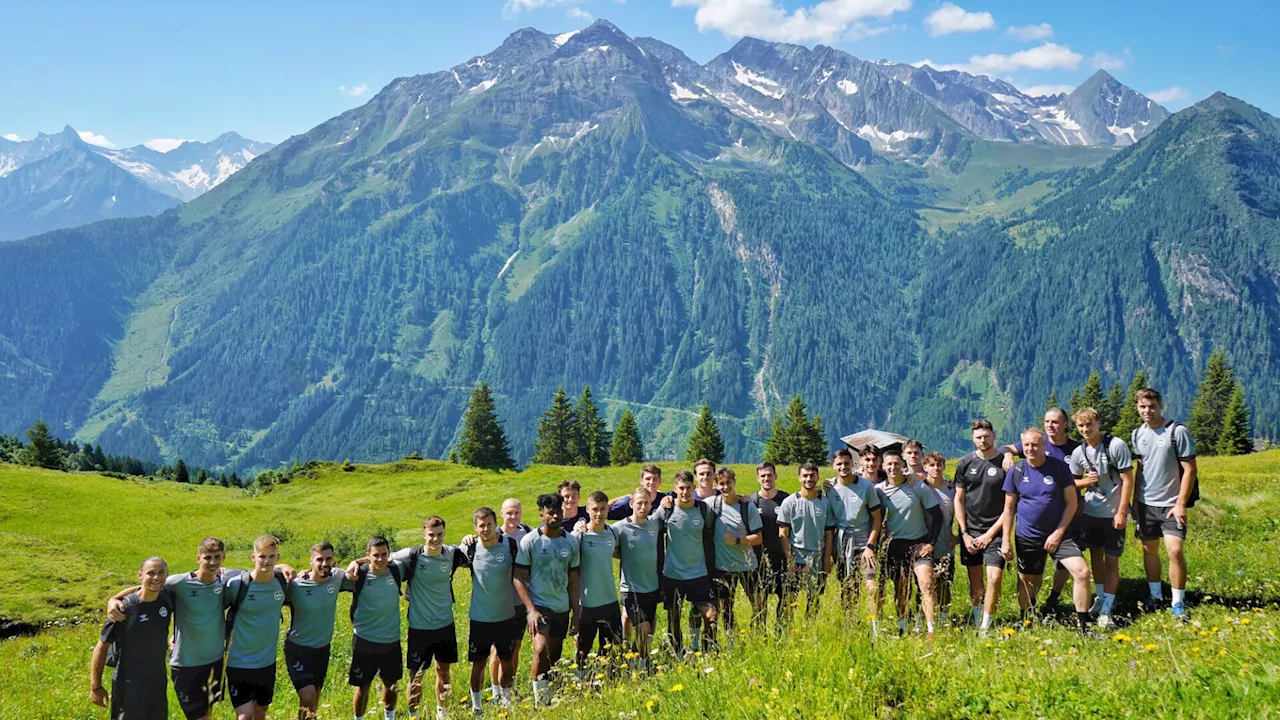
[(598, 545), (547, 581), (807, 526), (313, 600), (255, 600), (1166, 478), (1103, 472), (859, 519), (375, 622)]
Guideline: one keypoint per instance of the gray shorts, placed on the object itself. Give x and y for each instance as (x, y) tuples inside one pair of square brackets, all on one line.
[(1154, 523)]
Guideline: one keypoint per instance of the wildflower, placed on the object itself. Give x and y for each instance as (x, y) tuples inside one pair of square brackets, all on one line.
[(599, 676), (1121, 638), (708, 671), (988, 644), (1008, 631), (1149, 647), (677, 687), (649, 706)]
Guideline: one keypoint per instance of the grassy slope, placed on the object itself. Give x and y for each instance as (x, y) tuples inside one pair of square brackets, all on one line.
[(92, 531)]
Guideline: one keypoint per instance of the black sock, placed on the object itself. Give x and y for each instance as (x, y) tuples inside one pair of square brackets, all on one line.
[(1083, 619)]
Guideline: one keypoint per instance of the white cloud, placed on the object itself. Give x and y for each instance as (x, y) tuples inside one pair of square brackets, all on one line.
[(95, 139), (827, 21), (164, 145), (1105, 61), (511, 8), (354, 90), (577, 13), (1043, 31), (1049, 89), (951, 18), (1049, 56), (1169, 94), (13, 137)]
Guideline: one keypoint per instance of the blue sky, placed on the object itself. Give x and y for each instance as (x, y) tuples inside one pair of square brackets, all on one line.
[(133, 71)]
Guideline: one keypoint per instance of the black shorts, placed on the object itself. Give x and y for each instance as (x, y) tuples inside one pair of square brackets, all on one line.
[(697, 591), (371, 659), (251, 685), (604, 621), (554, 625), (769, 577), (726, 584), (1154, 523), (197, 687), (900, 559), (989, 556), (1032, 555), (944, 568), (427, 645), (306, 665), (483, 637), (642, 607), (849, 565), (1095, 532), (135, 700), (519, 626)]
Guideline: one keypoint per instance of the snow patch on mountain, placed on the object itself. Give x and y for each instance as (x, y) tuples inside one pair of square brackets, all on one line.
[(759, 83), (848, 86)]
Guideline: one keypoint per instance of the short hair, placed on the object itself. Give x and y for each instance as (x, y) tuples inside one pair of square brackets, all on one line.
[(155, 559), (433, 521), (704, 461), (573, 485), (651, 469), (484, 511), (981, 424), (1060, 411), (262, 542), (1084, 416), (1150, 395), (934, 457), (1031, 431), (684, 476), (211, 544), (379, 541), (807, 467), (322, 546), (766, 465), (870, 450), (639, 492), (913, 445), (891, 452), (842, 453), (597, 496), (726, 472), (550, 501)]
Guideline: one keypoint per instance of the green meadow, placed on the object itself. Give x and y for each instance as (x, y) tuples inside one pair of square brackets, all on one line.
[(69, 540)]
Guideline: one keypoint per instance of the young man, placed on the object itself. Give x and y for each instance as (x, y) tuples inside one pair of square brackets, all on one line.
[(256, 600), (651, 481), (140, 643), (690, 555), (375, 620), (546, 579), (1166, 476), (598, 545), (313, 600), (570, 492), (1059, 447), (944, 542), (913, 456), (704, 475), (737, 534), (512, 527), (771, 568), (912, 518), (979, 508), (639, 549), (1103, 472), (427, 571), (806, 525), (492, 557), (858, 517), (1041, 498)]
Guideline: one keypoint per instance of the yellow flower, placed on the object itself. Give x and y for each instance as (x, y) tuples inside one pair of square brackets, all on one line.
[(988, 644), (677, 687), (649, 706), (1121, 638), (599, 676), (1244, 621), (1149, 647), (1008, 631)]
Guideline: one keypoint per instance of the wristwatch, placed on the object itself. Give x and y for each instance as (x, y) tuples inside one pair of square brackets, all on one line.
[(874, 547)]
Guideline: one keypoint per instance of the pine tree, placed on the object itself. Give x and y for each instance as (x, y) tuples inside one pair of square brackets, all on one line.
[(180, 473), (202, 477), (777, 449), (1052, 402), (483, 443), (705, 441), (1204, 421), (817, 441), (1110, 412), (627, 447), (43, 450), (1128, 418), (1090, 396), (590, 433), (99, 458), (1234, 439), (555, 444), (235, 479)]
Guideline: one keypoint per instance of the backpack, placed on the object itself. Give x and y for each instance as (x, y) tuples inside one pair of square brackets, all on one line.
[(708, 531), (362, 574), (242, 593), (511, 545), (415, 553), (1172, 427), (113, 650)]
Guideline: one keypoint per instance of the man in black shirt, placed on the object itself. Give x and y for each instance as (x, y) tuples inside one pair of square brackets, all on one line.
[(138, 646), (769, 577), (979, 505)]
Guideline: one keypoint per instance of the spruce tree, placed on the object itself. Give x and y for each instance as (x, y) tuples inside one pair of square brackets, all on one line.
[(777, 449), (43, 449), (1128, 418), (590, 433), (483, 443), (799, 432), (202, 478), (99, 458), (555, 444), (705, 441), (627, 447), (180, 473), (1090, 396), (1234, 439), (1110, 412), (1204, 421), (817, 441), (1052, 402)]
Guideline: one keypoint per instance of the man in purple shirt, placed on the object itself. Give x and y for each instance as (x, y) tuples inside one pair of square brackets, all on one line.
[(1041, 495)]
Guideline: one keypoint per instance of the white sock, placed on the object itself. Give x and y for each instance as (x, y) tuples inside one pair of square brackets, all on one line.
[(1156, 592), (986, 620), (494, 690), (440, 713), (359, 717), (1108, 599), (1179, 595), (541, 692), (977, 615), (389, 714), (929, 626), (477, 699)]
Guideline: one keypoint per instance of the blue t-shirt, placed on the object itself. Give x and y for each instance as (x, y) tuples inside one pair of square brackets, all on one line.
[(1057, 452), (1041, 501)]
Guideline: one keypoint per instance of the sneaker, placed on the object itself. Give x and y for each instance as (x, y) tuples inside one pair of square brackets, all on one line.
[(1150, 604), (1096, 610), (1179, 612), (440, 713), (1105, 622)]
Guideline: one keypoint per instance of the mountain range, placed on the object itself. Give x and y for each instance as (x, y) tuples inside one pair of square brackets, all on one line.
[(902, 247), (59, 180)]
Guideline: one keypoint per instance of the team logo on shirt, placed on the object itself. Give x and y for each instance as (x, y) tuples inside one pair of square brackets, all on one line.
[(279, 595), (331, 589), (697, 521), (217, 590), (391, 580), (164, 612), (500, 557), (973, 471), (564, 552), (991, 472), (142, 617), (444, 569), (1048, 479)]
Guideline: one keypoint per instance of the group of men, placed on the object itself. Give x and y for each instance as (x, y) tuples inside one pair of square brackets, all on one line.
[(895, 517)]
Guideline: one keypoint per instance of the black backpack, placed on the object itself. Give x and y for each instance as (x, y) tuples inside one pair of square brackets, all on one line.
[(362, 574), (1172, 427), (708, 530), (511, 547), (113, 650), (242, 592)]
